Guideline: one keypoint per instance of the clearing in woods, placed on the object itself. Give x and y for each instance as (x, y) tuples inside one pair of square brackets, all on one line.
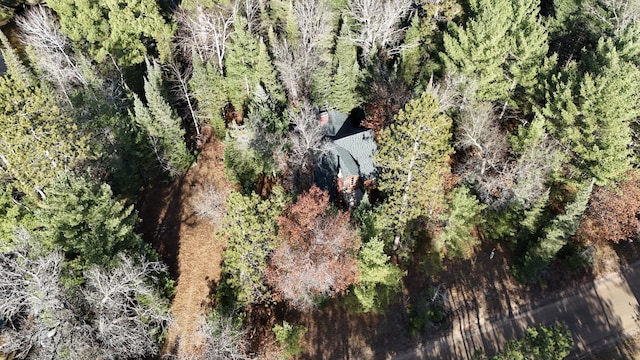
[(187, 243)]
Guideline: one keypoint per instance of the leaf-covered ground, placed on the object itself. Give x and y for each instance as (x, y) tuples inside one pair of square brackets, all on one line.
[(187, 243)]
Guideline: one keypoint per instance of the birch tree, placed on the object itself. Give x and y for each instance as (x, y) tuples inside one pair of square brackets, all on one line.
[(40, 32), (378, 25), (118, 314), (297, 57), (204, 31)]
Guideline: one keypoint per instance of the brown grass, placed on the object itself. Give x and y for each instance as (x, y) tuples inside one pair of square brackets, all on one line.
[(187, 244)]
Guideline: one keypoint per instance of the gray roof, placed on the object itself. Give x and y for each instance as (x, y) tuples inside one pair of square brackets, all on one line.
[(361, 147), (336, 122), (352, 147)]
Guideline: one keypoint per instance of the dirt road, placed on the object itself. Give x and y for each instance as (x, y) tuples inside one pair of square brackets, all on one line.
[(597, 313)]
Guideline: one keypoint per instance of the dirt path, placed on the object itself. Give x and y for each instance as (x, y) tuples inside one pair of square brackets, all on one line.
[(188, 245), (597, 313)]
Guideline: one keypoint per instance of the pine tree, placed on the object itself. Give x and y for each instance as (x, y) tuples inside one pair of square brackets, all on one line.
[(465, 212), (378, 277), (115, 28), (556, 235), (591, 115), (161, 124), (413, 157), (250, 230), (207, 86), (83, 219), (15, 68), (502, 45), (37, 140), (247, 65), (540, 342), (15, 214), (346, 79)]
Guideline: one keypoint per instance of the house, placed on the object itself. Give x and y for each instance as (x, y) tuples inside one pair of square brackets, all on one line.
[(348, 163)]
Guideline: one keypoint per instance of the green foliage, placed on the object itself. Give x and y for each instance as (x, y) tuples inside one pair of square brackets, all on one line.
[(116, 28), (288, 337), (413, 157), (379, 279), (465, 212), (590, 115), (367, 217), (556, 235), (346, 77), (247, 65), (161, 124), (37, 140), (426, 311), (250, 230), (281, 20), (419, 59), (15, 67), (13, 216), (539, 343), (242, 165), (502, 45), (207, 87), (87, 223)]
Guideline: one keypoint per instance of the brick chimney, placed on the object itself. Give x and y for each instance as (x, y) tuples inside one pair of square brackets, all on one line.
[(324, 117)]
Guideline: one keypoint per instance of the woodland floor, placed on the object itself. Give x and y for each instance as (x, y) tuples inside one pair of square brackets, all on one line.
[(187, 244), (476, 286)]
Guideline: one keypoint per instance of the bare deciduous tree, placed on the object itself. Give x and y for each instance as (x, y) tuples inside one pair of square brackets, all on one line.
[(117, 315), (128, 312), (293, 77), (180, 81), (308, 143), (33, 304), (203, 32), (378, 24), (297, 61), (252, 9), (617, 14), (225, 339), (208, 202), (40, 31)]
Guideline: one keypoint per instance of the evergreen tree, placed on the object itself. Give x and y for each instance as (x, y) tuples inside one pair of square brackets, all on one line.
[(502, 45), (556, 235), (591, 115), (250, 230), (14, 66), (14, 215), (161, 124), (37, 140), (541, 342), (207, 86), (465, 212), (413, 157), (379, 279), (115, 28), (247, 65), (346, 79), (83, 219)]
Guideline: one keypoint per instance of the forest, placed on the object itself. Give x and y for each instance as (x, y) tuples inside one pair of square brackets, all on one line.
[(464, 130)]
